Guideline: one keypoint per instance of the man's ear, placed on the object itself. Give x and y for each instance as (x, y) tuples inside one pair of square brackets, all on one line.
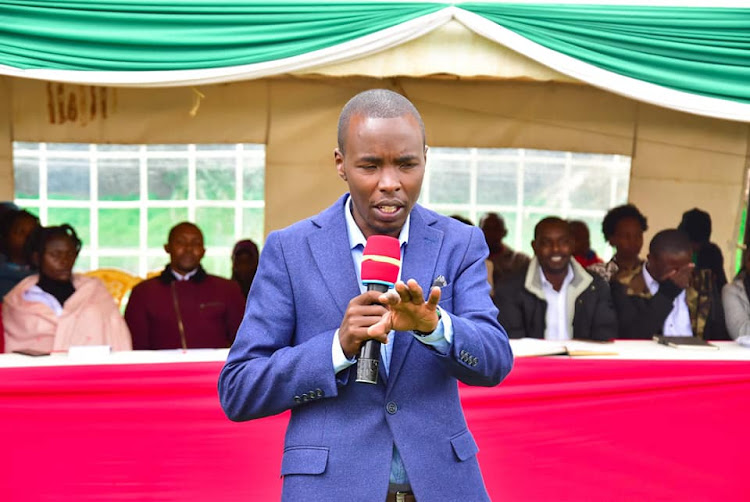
[(338, 158), (35, 259), (533, 246), (166, 248)]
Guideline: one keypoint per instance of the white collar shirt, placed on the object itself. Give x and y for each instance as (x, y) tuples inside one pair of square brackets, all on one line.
[(677, 322), (357, 243), (556, 318), (185, 277)]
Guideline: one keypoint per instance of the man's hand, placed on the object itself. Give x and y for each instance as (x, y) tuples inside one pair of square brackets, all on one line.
[(362, 313), (680, 276), (407, 309)]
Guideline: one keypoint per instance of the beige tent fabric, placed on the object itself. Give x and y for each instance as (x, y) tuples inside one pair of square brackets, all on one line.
[(457, 113), (683, 161), (56, 112), (548, 116), (6, 141), (451, 50)]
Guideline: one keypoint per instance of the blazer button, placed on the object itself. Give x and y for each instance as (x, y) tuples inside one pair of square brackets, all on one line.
[(391, 408), (318, 392), (297, 399)]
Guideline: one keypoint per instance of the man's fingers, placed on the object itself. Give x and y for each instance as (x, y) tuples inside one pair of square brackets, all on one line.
[(434, 297), (389, 298), (379, 331), (366, 298), (415, 291), (669, 275), (403, 291)]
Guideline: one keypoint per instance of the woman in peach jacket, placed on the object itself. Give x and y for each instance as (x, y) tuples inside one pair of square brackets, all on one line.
[(56, 309)]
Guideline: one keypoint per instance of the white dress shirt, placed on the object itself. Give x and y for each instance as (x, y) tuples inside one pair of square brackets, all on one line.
[(556, 318), (185, 277), (440, 339), (677, 322)]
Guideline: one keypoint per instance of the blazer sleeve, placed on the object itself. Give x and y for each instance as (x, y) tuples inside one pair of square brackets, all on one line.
[(266, 372), (480, 353)]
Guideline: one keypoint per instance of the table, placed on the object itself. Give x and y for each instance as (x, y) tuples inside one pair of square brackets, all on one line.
[(643, 425)]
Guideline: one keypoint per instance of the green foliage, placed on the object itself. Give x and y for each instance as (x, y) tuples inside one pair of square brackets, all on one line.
[(215, 179), (217, 224), (160, 221), (118, 228), (78, 218)]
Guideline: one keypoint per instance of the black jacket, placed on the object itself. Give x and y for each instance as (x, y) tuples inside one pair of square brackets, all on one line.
[(522, 306), (641, 315)]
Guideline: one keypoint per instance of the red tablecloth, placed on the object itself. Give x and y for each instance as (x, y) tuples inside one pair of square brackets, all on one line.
[(555, 430)]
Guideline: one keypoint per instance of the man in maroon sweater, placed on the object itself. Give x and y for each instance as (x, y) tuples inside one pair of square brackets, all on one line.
[(184, 307)]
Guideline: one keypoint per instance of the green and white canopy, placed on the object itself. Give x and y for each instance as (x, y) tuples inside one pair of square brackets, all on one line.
[(682, 55)]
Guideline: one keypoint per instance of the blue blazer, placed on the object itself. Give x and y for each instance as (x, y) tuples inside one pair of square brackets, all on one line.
[(340, 437)]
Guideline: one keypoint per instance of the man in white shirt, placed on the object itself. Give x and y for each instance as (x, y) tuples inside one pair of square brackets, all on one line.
[(667, 296), (554, 297)]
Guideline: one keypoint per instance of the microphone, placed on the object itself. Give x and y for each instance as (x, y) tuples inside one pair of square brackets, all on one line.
[(381, 261)]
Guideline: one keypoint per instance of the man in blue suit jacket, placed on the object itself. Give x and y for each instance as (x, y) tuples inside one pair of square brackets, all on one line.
[(404, 438)]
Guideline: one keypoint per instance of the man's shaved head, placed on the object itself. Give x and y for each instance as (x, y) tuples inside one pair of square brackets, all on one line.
[(376, 103)]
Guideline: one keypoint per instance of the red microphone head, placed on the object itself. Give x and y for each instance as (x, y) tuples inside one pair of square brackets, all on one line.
[(381, 260)]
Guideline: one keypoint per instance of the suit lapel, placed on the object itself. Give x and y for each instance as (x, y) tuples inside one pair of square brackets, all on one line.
[(418, 262), (329, 246)]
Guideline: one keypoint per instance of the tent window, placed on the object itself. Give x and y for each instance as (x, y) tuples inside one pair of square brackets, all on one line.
[(123, 199), (524, 186)]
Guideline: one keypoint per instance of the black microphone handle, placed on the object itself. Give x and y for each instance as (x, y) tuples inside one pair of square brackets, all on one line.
[(369, 354)]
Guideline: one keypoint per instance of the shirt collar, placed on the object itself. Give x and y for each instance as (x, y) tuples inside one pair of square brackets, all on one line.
[(185, 277), (357, 238), (568, 277), (651, 283)]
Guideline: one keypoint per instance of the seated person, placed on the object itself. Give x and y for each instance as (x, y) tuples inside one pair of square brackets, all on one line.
[(184, 307), (735, 298), (505, 261), (15, 227), (668, 296), (706, 255), (555, 297), (244, 264), (487, 262), (623, 228), (582, 251), (57, 309)]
